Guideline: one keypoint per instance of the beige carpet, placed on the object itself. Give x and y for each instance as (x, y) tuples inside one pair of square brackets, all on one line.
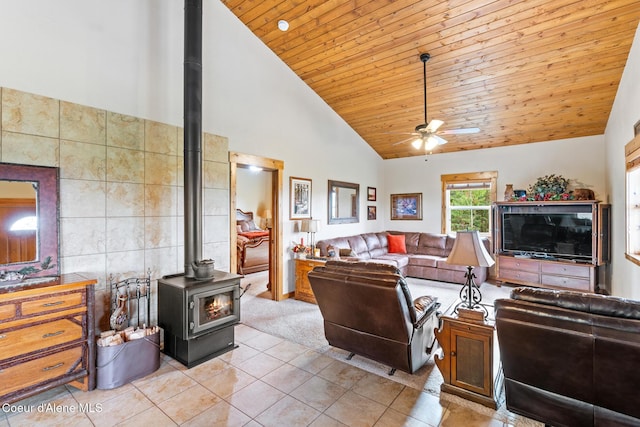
[(302, 323)]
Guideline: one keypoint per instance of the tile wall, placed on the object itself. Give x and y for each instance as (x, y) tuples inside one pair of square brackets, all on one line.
[(121, 187)]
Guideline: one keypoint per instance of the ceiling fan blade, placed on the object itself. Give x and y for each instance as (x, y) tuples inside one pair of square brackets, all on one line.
[(404, 140), (459, 131), (434, 125), (441, 141), (432, 141), (398, 133)]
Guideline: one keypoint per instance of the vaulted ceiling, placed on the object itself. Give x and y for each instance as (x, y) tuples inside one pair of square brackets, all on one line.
[(521, 71)]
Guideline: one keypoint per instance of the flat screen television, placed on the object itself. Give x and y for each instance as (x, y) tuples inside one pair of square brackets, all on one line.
[(566, 235)]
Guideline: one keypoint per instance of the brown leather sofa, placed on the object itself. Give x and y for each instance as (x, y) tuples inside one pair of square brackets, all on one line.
[(368, 310), (425, 258), (570, 358)]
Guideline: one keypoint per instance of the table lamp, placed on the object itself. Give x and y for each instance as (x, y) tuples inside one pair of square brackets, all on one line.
[(267, 218), (310, 226), (469, 250)]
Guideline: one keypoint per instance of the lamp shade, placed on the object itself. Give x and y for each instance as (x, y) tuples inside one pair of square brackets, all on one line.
[(468, 250), (309, 225)]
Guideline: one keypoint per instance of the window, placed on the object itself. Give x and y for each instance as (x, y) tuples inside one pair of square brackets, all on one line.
[(632, 158), (467, 200)]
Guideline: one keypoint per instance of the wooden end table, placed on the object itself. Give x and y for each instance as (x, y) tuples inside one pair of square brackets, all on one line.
[(468, 357), (303, 287)]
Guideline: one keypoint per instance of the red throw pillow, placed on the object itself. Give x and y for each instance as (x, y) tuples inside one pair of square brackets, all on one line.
[(396, 244)]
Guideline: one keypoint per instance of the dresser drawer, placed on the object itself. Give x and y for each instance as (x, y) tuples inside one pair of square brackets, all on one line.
[(53, 302), (521, 264), (575, 270), (572, 283), (520, 276), (40, 370), (38, 337), (7, 311)]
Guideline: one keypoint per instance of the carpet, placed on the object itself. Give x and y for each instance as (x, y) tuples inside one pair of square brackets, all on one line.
[(302, 323)]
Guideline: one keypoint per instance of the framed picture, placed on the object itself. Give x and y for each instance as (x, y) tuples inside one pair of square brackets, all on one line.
[(299, 198), (636, 128), (371, 212), (371, 194), (406, 206)]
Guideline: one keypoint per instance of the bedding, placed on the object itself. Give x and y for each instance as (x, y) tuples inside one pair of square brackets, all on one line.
[(254, 234)]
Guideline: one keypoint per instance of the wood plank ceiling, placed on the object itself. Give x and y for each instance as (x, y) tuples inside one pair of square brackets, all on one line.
[(521, 71)]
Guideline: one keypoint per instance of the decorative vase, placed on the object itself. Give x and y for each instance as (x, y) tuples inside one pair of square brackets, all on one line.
[(508, 193)]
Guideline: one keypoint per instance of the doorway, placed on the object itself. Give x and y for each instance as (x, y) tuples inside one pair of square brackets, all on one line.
[(275, 168)]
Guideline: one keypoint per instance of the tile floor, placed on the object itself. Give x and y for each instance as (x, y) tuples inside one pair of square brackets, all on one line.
[(266, 381)]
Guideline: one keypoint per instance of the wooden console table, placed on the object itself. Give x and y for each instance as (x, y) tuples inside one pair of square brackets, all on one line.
[(303, 287), (468, 358)]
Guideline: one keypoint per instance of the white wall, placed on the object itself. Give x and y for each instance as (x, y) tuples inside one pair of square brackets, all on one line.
[(253, 193), (577, 159), (624, 114)]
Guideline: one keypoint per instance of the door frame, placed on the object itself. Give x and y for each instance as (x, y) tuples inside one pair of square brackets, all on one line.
[(276, 262)]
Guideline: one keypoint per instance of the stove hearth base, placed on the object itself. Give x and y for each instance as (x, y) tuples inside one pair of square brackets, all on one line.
[(199, 349)]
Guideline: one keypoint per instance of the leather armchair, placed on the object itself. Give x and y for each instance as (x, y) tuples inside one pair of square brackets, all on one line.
[(368, 310), (570, 358)]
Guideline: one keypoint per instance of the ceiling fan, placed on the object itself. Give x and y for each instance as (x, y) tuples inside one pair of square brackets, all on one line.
[(427, 134)]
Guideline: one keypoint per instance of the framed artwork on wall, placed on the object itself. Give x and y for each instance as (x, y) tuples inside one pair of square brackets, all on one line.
[(299, 198), (406, 206), (371, 212), (371, 194)]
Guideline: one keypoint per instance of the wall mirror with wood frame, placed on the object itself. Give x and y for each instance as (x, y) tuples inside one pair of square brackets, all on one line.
[(29, 221), (343, 202)]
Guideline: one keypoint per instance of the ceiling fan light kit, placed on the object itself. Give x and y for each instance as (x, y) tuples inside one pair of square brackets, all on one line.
[(427, 132)]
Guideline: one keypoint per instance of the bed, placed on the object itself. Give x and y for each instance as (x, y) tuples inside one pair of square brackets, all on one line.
[(252, 244)]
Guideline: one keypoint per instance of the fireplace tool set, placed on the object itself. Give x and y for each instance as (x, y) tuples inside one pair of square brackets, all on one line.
[(131, 349)]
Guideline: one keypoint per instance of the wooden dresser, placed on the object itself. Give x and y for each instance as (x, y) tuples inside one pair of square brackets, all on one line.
[(46, 336), (303, 287)]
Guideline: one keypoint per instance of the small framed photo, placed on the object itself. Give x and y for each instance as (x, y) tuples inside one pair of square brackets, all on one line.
[(636, 128), (371, 194), (299, 198), (371, 212), (406, 206)]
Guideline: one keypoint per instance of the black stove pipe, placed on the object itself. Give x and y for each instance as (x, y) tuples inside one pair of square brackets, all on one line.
[(192, 134)]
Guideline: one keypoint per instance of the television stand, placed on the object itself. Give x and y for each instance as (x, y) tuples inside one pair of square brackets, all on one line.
[(566, 245), (547, 273)]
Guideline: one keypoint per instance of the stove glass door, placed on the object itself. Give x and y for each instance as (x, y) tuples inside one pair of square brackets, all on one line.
[(213, 308)]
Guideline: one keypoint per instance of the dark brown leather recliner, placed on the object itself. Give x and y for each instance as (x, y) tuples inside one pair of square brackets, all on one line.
[(570, 358), (368, 310)]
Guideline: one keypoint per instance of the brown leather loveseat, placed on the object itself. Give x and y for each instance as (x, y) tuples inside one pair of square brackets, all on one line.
[(570, 358), (368, 310)]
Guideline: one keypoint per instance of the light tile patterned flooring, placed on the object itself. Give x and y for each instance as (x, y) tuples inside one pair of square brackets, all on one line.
[(266, 381)]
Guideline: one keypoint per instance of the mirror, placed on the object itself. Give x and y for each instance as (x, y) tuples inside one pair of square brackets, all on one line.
[(344, 202), (28, 221), (18, 222)]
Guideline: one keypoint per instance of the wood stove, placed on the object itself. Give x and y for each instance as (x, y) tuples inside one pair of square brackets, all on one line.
[(198, 316)]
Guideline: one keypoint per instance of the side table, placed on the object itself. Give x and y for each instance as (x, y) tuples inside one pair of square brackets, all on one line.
[(468, 357), (303, 287)]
